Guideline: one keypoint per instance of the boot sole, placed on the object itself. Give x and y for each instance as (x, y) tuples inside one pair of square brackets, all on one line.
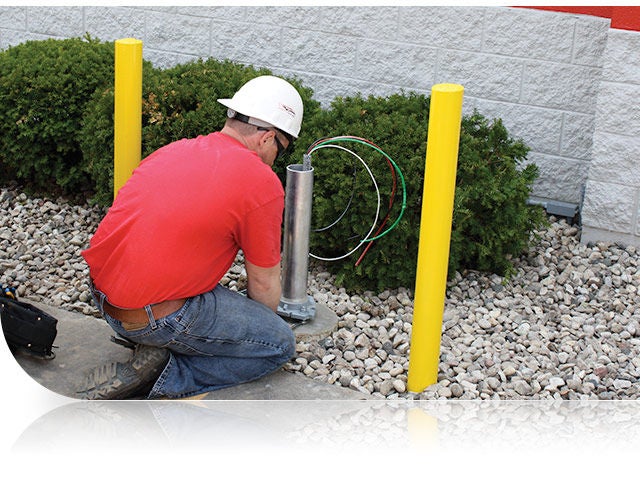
[(126, 380)]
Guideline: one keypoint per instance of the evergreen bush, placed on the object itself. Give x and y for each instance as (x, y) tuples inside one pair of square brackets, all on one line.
[(492, 222), (44, 88)]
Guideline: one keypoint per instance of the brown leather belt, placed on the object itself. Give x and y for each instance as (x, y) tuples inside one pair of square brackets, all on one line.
[(137, 318)]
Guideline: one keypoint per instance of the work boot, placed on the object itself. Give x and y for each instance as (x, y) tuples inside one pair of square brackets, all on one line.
[(132, 379)]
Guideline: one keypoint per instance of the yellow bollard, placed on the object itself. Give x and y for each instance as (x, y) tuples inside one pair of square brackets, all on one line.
[(127, 118), (435, 234)]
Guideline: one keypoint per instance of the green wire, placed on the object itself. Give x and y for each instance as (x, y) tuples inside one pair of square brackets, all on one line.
[(395, 166)]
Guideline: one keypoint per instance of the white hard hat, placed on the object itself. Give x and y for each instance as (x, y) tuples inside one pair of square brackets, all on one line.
[(268, 101)]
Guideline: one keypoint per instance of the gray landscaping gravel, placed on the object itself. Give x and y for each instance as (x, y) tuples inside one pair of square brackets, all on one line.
[(565, 326)]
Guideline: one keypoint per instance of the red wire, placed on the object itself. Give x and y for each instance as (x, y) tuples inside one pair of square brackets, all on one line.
[(391, 200)]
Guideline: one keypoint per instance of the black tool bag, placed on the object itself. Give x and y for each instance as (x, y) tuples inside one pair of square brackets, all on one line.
[(27, 328)]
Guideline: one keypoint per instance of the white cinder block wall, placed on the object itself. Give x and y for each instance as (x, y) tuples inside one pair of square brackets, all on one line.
[(541, 72), (612, 198)]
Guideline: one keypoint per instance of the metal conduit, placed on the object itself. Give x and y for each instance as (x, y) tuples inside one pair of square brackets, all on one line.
[(294, 302)]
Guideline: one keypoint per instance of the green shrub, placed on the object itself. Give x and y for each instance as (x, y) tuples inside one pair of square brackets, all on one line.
[(44, 87), (491, 223), (179, 102)]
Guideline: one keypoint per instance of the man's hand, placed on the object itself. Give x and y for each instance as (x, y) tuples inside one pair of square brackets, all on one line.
[(263, 285)]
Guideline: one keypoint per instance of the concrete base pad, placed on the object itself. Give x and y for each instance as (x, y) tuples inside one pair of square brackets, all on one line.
[(320, 326)]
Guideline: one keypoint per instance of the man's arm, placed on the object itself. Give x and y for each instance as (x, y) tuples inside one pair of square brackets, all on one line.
[(263, 284)]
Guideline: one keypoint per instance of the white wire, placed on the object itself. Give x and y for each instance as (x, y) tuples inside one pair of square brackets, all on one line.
[(375, 221), (323, 229)]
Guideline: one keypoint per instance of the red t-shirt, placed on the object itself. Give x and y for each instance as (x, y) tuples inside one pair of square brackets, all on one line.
[(176, 226)]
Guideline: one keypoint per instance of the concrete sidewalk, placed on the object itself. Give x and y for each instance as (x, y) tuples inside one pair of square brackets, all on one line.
[(84, 342)]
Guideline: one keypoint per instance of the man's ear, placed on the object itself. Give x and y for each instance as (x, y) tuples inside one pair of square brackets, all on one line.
[(267, 136)]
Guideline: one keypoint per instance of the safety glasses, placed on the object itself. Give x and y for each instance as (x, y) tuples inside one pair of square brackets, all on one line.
[(281, 148)]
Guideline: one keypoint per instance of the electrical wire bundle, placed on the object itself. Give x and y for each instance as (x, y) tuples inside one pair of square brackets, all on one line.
[(396, 174)]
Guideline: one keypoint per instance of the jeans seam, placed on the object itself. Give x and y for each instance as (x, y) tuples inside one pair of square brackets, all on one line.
[(159, 384), (208, 388), (244, 341)]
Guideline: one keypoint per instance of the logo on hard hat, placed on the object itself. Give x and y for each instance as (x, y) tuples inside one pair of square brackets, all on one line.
[(288, 109)]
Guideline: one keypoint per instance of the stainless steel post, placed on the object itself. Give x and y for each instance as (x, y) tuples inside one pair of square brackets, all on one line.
[(294, 302)]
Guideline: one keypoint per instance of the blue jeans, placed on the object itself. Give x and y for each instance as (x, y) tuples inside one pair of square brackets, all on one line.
[(218, 339)]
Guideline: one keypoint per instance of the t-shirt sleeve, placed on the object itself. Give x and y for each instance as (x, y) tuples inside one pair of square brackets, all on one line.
[(260, 234)]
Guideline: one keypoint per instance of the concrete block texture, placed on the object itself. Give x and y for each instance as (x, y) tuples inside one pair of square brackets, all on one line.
[(409, 66), (622, 62), (260, 45), (594, 235), (529, 34), (559, 173), (610, 210), (616, 159), (565, 84), (618, 108), (590, 40), (13, 18), (109, 24), (315, 52), (178, 33), (56, 21), (610, 206), (11, 38), (577, 135), (490, 77), (561, 86), (456, 28)]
